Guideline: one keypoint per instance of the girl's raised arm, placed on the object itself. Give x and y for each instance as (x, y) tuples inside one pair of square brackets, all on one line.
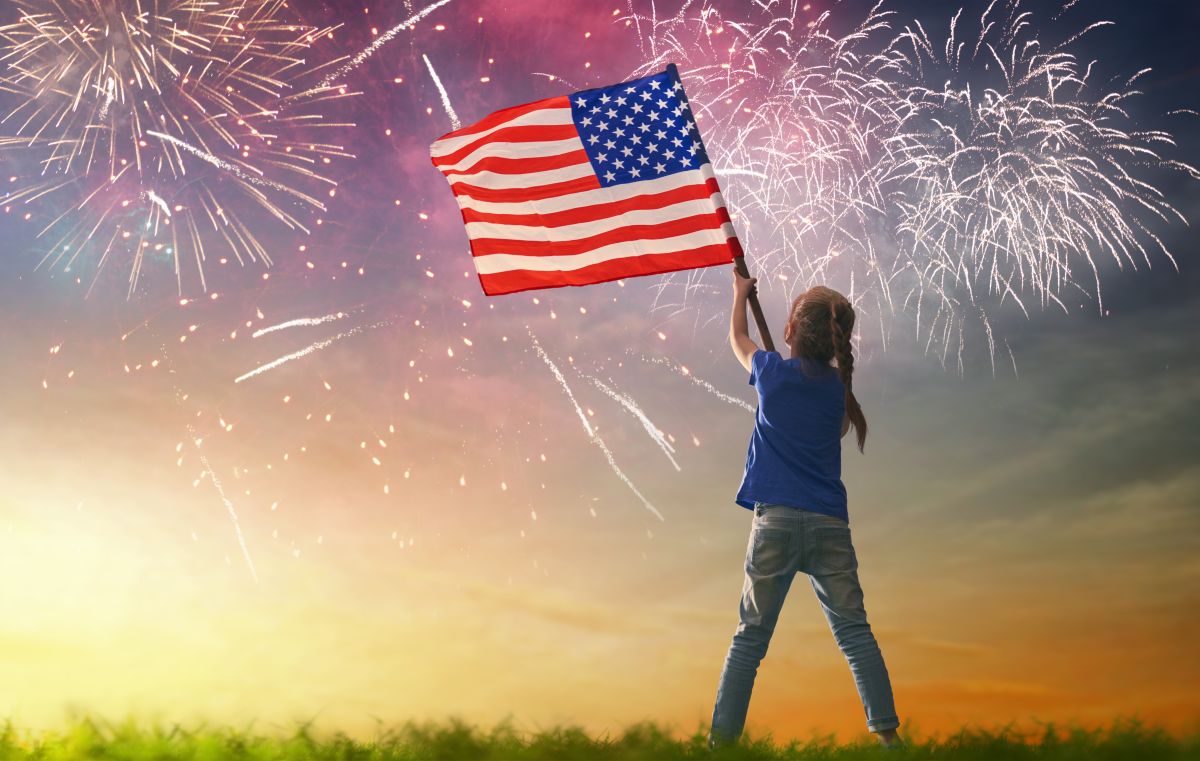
[(739, 329)]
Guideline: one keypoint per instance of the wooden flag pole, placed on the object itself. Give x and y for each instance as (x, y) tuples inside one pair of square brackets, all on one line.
[(739, 262), (764, 332)]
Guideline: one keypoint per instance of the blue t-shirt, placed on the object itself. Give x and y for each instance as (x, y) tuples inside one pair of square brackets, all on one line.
[(795, 454)]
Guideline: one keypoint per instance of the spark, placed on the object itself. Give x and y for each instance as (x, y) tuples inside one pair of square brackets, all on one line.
[(591, 432), (307, 350), (369, 51), (442, 91), (631, 406)]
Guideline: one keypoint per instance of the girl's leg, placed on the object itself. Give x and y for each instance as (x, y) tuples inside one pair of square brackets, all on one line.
[(833, 571), (770, 567)]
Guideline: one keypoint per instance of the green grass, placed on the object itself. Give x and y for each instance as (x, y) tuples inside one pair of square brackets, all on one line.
[(88, 738)]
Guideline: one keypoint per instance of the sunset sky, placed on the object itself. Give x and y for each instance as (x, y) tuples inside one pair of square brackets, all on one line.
[(411, 522)]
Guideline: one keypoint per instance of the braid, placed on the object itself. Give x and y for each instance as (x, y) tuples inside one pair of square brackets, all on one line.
[(841, 324), (842, 350)]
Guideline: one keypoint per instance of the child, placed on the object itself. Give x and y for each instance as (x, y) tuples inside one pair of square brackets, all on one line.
[(793, 484)]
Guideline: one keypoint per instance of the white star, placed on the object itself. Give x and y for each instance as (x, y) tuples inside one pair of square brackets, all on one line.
[(628, 120), (602, 125), (654, 83), (636, 139), (635, 172), (594, 139), (586, 121), (619, 164), (678, 143), (668, 155), (621, 100), (678, 87), (619, 132), (595, 109), (646, 95), (604, 98), (609, 176), (661, 168), (643, 160), (652, 147), (601, 157), (678, 109), (637, 108), (653, 114), (663, 105), (630, 90), (693, 148), (669, 122), (626, 151), (644, 127), (612, 113), (609, 144), (581, 102), (661, 134)]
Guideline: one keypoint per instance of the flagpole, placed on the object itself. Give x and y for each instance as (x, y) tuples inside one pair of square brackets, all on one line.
[(739, 261)]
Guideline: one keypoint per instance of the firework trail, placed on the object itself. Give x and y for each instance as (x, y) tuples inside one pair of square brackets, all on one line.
[(216, 481), (931, 176), (587, 427), (300, 322), (454, 122), (307, 350), (92, 82), (237, 526), (369, 51), (157, 200), (631, 406), (235, 170), (710, 388)]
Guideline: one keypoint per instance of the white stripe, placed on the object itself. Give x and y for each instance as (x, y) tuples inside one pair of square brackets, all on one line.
[(491, 264), (681, 210), (541, 117), (515, 151), (497, 181), (590, 197)]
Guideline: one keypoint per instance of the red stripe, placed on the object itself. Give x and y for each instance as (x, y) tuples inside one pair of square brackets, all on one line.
[(605, 210), (523, 133), (505, 165), (626, 234), (536, 193), (508, 114), (603, 272)]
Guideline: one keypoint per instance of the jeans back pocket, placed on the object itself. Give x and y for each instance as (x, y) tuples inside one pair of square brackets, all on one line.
[(833, 550)]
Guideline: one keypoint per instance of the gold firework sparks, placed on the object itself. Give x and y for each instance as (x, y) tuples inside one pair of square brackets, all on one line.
[(159, 128)]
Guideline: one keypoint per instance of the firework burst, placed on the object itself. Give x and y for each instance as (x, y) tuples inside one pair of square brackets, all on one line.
[(163, 128), (930, 176)]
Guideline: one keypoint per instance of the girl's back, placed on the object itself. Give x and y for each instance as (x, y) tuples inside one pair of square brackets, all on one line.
[(795, 452)]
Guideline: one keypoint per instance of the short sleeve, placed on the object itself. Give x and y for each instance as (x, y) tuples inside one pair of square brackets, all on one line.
[(760, 362)]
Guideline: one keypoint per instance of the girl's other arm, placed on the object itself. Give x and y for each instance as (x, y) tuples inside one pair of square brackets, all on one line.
[(739, 330)]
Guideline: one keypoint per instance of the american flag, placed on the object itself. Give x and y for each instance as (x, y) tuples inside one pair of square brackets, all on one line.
[(603, 184)]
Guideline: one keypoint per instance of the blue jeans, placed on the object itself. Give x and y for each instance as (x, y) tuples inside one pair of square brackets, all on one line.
[(785, 540)]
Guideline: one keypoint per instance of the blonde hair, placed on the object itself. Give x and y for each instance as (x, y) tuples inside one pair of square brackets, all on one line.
[(822, 322)]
